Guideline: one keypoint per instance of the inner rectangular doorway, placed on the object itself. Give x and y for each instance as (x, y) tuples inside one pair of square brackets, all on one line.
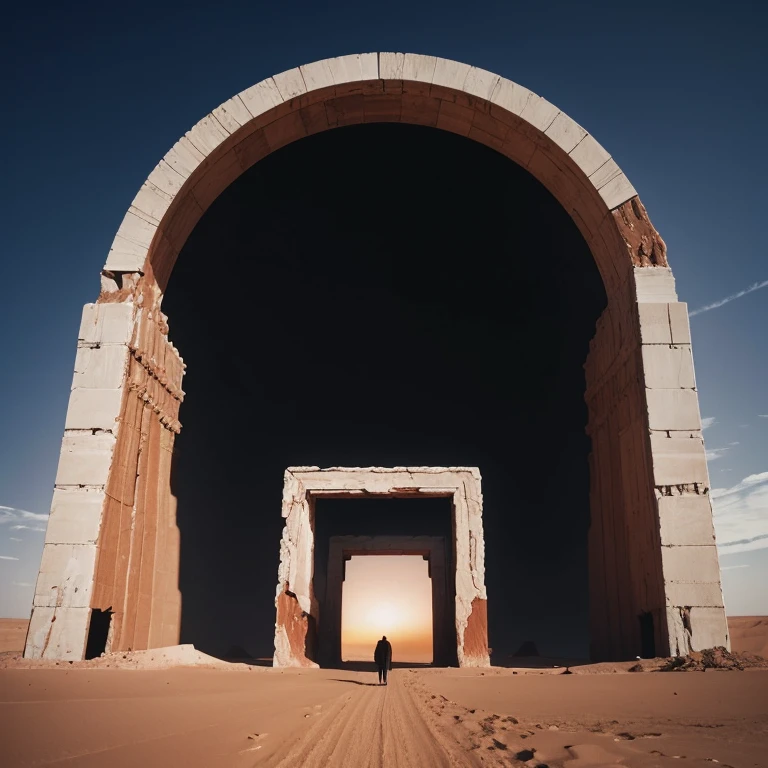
[(387, 595)]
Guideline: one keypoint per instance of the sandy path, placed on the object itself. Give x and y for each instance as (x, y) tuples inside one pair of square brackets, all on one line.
[(371, 727)]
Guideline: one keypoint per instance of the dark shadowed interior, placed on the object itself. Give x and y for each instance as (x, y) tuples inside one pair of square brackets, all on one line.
[(384, 295)]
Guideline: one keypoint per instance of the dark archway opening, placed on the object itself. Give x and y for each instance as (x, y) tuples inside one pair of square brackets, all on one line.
[(385, 295)]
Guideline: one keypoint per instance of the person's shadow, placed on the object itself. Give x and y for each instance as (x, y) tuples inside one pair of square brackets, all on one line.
[(354, 682)]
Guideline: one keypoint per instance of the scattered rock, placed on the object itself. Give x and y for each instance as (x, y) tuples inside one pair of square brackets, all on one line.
[(712, 658)]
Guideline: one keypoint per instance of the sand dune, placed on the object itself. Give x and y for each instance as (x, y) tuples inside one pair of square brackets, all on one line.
[(749, 634)]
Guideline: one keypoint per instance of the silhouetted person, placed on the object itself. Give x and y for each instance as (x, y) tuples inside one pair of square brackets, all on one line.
[(383, 658)]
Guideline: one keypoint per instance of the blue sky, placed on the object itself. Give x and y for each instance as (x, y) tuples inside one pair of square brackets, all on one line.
[(95, 94)]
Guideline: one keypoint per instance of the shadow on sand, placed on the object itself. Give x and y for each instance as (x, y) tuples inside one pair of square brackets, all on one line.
[(354, 682)]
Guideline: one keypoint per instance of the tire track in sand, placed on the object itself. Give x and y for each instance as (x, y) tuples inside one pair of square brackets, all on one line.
[(372, 727)]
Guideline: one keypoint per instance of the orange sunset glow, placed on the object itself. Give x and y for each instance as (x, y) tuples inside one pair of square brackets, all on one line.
[(387, 595)]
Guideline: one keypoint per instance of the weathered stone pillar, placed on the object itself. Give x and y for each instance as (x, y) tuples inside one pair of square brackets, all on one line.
[(111, 541), (694, 614), (653, 562), (297, 610)]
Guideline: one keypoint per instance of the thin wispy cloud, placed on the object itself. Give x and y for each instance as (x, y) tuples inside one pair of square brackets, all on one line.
[(728, 299), (734, 567), (8, 557), (13, 538), (762, 415), (716, 453), (741, 515), (13, 515), (37, 528), (22, 584), (708, 422)]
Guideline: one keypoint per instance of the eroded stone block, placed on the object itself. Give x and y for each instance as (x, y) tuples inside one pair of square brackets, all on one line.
[(93, 409), (106, 324), (57, 633), (686, 519), (654, 323), (696, 565), (66, 576), (673, 409), (707, 594), (75, 516), (655, 285), (85, 459), (102, 367), (678, 320), (709, 628), (668, 367)]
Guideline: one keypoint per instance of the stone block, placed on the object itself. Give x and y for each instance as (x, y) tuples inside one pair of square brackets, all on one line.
[(262, 97), (589, 155), (137, 230), (85, 459), (75, 516), (106, 324), (353, 68), (207, 135), (689, 594), (419, 68), (709, 628), (168, 179), (93, 409), (101, 367), (232, 114), (617, 191), (696, 565), (290, 84), (125, 256), (678, 460), (654, 323), (566, 133), (184, 157), (605, 173), (480, 83), (150, 203), (66, 576), (511, 97), (391, 65), (686, 520), (450, 74), (539, 112), (317, 75), (678, 321), (668, 367), (673, 409), (57, 633), (655, 285)]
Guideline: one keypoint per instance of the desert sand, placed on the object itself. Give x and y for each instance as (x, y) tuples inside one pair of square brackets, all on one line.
[(178, 707), (749, 634), (12, 634), (254, 716)]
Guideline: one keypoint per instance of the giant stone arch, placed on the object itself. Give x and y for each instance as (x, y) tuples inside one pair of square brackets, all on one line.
[(112, 540)]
